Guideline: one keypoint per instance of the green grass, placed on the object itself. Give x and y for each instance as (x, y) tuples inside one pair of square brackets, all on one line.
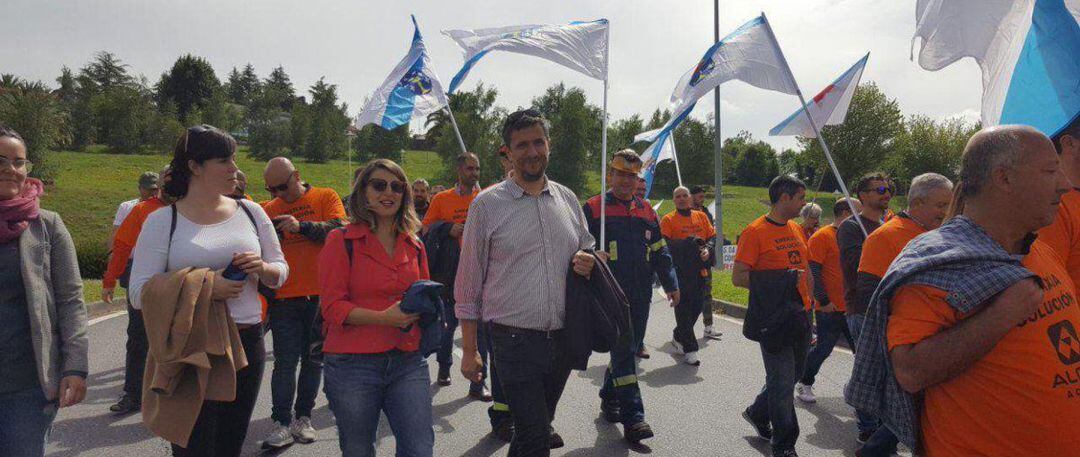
[(92, 291)]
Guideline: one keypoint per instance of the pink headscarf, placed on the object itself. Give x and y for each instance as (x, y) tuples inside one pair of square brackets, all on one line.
[(16, 213)]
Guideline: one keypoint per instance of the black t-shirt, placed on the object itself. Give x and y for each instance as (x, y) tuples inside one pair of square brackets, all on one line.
[(850, 238), (16, 344)]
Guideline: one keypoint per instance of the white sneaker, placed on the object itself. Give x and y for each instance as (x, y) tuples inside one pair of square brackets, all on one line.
[(805, 393), (691, 359), (712, 333), (279, 437), (678, 347), (302, 430)]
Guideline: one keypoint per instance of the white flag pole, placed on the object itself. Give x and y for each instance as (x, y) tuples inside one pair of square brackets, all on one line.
[(457, 132), (603, 150), (675, 158), (813, 125)]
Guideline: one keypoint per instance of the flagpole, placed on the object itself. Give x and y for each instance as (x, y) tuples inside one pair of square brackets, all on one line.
[(675, 158), (603, 152), (457, 132), (718, 153), (813, 125)]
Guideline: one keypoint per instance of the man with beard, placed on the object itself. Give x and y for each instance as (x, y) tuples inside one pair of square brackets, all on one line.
[(522, 237), (421, 192)]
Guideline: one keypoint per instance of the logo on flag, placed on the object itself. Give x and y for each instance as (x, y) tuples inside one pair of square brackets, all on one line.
[(417, 82), (829, 107), (702, 70)]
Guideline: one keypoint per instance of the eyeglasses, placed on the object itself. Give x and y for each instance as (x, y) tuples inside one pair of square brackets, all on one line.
[(17, 164), (882, 190), (281, 187), (380, 185)]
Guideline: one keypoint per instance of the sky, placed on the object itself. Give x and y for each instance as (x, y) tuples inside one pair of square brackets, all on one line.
[(355, 44)]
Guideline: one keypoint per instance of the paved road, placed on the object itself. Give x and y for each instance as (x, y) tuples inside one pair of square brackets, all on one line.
[(694, 411)]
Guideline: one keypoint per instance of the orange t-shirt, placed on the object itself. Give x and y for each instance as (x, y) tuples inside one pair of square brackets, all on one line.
[(1064, 234), (884, 244), (1021, 398), (449, 206), (766, 245), (126, 236), (824, 250), (677, 227), (319, 204)]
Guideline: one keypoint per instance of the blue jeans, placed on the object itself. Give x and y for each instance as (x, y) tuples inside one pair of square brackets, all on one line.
[(882, 442), (360, 386), (25, 423), (621, 383), (830, 327), (445, 354), (290, 324), (135, 353), (776, 403)]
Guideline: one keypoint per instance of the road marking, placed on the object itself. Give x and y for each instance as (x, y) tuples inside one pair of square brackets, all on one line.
[(740, 323), (106, 317)]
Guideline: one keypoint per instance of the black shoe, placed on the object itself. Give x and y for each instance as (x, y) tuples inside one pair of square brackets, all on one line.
[(127, 404), (611, 411), (504, 431), (790, 452), (556, 440), (637, 432), (444, 375), (763, 429), (865, 435), (643, 354), (480, 393)]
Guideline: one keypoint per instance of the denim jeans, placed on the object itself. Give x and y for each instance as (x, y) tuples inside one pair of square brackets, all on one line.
[(621, 383), (135, 353), (707, 304), (830, 327), (882, 442), (533, 374), (445, 354), (686, 315), (776, 403), (360, 386), (290, 324), (25, 423), (222, 425)]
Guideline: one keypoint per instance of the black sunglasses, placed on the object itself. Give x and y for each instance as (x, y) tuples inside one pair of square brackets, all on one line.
[(280, 187), (882, 190), (380, 185)]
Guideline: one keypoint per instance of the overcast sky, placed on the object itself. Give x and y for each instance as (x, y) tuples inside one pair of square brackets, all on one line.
[(355, 44)]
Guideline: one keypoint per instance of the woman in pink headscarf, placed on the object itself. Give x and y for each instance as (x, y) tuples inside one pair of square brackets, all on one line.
[(43, 345)]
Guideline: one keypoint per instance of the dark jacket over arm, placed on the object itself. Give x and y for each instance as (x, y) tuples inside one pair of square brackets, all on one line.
[(597, 315), (774, 316), (317, 231)]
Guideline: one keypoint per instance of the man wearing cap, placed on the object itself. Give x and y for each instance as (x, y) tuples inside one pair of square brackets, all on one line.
[(635, 251), (148, 188)]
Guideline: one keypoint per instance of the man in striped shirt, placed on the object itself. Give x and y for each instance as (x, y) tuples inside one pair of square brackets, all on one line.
[(521, 238)]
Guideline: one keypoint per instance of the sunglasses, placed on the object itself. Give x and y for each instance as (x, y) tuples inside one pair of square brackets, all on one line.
[(882, 190), (281, 187), (380, 185)]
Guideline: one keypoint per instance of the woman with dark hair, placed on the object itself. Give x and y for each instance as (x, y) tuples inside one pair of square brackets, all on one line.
[(207, 229), (42, 315), (372, 359)]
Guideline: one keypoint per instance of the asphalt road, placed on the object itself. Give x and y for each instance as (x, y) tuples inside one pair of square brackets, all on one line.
[(694, 411)]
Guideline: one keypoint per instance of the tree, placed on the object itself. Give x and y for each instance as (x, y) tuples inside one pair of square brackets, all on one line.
[(865, 140), (268, 125), (375, 142), (241, 86), (575, 135), (480, 122), (124, 114), (189, 84), (220, 112), (755, 162), (926, 145), (106, 71), (328, 122), (279, 85), (35, 113)]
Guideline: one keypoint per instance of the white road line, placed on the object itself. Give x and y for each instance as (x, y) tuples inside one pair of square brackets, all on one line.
[(107, 317)]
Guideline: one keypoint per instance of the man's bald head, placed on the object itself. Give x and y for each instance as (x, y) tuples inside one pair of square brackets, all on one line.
[(995, 148), (282, 179), (278, 167)]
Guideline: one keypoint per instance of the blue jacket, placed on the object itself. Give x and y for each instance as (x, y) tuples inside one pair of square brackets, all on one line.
[(634, 243), (423, 298)]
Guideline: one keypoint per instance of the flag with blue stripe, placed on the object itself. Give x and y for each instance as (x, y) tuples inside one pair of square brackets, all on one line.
[(654, 155), (1027, 49), (579, 45), (411, 90)]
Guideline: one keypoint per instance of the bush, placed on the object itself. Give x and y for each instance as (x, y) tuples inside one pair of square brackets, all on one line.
[(93, 258)]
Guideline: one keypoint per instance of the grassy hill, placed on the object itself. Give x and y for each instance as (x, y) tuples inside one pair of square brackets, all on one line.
[(89, 186)]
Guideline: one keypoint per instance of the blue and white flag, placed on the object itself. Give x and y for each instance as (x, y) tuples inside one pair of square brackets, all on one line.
[(828, 107), (651, 157), (1027, 49), (411, 90), (749, 54), (581, 46)]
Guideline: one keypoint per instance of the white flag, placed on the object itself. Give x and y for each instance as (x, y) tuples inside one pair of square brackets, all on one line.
[(581, 46), (411, 90), (666, 151), (828, 107), (749, 54)]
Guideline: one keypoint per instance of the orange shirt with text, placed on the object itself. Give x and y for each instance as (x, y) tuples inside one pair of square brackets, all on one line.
[(884, 244), (677, 227), (825, 251), (1021, 398), (319, 204), (767, 245), (449, 206)]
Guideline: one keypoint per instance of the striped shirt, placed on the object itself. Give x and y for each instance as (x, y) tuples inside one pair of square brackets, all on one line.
[(515, 254)]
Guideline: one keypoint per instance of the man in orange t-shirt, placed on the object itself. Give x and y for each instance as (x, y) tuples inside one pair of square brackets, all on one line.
[(827, 312), (678, 225), (1000, 379), (775, 243), (303, 215), (1064, 234), (452, 207)]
